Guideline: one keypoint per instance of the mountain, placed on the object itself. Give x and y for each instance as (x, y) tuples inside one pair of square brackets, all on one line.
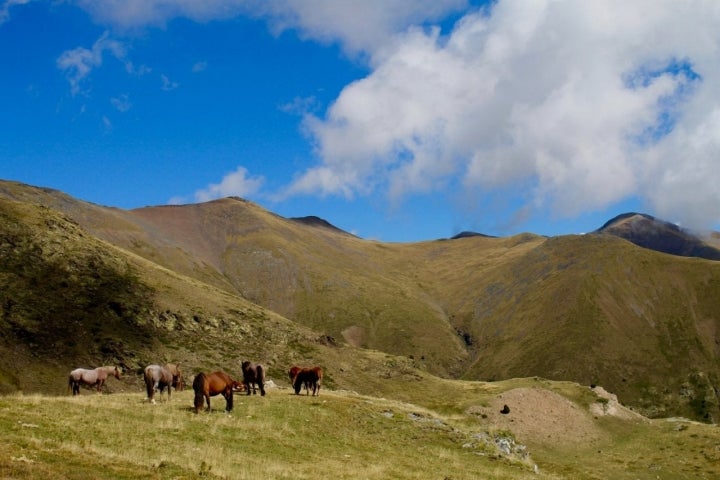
[(594, 309), (649, 232)]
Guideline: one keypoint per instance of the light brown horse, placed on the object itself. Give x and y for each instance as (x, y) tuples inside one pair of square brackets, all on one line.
[(208, 385), (94, 377), (158, 378), (309, 378)]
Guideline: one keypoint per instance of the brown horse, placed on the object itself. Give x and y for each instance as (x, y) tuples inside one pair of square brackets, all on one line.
[(94, 377), (158, 378), (294, 370), (292, 373), (310, 378), (208, 385), (253, 374)]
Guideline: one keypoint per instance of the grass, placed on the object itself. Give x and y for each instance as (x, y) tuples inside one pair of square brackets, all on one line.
[(281, 435), (336, 435)]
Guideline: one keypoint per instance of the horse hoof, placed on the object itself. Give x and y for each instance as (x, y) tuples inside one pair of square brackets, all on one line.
[(152, 401)]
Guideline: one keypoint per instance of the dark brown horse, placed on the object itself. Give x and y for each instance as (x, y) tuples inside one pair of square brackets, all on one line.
[(94, 377), (292, 373), (158, 378), (294, 370), (253, 374), (208, 385), (309, 378)]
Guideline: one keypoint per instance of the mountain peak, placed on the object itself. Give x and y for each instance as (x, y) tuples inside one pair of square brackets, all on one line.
[(649, 232)]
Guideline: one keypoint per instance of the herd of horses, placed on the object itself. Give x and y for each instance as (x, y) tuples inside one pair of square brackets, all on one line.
[(159, 377)]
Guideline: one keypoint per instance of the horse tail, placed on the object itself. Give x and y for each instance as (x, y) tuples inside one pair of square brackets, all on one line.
[(199, 388), (149, 385), (261, 379)]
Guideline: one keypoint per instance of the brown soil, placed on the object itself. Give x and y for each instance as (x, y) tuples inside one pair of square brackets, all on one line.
[(538, 415)]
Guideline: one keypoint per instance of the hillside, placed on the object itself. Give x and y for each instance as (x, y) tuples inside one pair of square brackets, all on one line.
[(553, 431), (593, 309)]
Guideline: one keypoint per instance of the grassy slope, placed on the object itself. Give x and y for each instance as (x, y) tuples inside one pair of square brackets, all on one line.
[(337, 435), (592, 308)]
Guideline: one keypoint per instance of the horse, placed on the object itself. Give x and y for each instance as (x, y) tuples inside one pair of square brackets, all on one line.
[(208, 385), (310, 378), (253, 374), (157, 378), (95, 377), (292, 373)]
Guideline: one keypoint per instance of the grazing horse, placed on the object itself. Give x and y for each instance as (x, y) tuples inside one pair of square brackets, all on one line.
[(310, 378), (208, 385), (95, 377), (157, 378), (294, 370), (253, 374)]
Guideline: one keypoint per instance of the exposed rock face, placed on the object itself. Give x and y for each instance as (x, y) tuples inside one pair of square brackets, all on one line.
[(608, 404)]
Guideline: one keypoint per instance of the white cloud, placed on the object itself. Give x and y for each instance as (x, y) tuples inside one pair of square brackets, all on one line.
[(199, 67), (5, 8), (587, 102), (79, 62), (364, 26), (133, 14), (238, 183), (121, 102), (357, 25), (168, 84)]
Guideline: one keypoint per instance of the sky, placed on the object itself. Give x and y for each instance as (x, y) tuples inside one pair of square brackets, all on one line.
[(394, 120)]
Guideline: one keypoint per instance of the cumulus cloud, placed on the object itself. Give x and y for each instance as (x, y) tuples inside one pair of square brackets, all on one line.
[(586, 103), (238, 183), (358, 26)]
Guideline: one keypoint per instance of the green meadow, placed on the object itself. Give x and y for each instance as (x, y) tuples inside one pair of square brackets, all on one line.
[(341, 434)]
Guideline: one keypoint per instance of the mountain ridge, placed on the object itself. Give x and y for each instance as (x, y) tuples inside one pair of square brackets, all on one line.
[(588, 308)]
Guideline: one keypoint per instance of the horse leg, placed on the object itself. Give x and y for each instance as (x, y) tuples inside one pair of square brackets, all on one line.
[(228, 399), (262, 388), (248, 385)]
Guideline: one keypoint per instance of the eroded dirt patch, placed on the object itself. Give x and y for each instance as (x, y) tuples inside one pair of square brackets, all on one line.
[(538, 415)]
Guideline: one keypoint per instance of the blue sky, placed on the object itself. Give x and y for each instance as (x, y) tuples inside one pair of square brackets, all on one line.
[(394, 120)]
